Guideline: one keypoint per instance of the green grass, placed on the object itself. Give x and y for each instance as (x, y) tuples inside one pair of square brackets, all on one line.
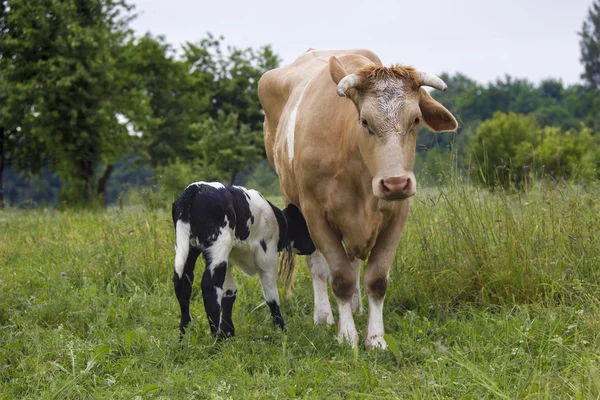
[(491, 296)]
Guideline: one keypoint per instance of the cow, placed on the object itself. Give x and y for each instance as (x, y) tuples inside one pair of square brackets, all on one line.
[(340, 130), (231, 225)]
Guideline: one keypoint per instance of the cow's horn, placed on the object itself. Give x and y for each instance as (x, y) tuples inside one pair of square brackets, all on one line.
[(349, 82), (429, 79)]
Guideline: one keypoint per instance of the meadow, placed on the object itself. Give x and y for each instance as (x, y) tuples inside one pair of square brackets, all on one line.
[(492, 295)]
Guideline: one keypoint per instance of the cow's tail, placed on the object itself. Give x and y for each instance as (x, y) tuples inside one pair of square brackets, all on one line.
[(287, 269)]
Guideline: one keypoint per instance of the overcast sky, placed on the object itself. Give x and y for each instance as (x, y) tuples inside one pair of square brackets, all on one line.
[(532, 39)]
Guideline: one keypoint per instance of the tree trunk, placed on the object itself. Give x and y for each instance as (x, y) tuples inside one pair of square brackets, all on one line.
[(101, 191), (2, 161), (233, 175)]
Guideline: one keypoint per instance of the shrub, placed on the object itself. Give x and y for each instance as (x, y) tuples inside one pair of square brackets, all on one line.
[(502, 150), (569, 155)]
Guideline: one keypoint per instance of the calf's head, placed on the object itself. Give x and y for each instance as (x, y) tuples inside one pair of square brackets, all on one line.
[(391, 105)]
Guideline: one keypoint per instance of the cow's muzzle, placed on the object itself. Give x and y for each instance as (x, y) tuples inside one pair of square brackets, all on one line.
[(397, 188)]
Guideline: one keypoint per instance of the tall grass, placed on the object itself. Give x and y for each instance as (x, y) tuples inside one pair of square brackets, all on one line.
[(492, 295)]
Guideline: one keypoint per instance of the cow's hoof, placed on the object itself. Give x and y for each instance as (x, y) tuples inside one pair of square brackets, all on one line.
[(375, 342), (349, 336), (323, 318)]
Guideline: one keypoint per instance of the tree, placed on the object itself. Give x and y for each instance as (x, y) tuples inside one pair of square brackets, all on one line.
[(62, 63), (206, 93), (226, 147), (173, 104), (590, 46), (501, 153)]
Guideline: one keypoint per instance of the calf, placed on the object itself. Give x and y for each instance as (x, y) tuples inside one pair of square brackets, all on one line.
[(231, 225)]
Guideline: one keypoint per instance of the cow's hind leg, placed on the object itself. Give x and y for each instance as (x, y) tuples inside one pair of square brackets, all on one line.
[(183, 279), (319, 272), (229, 295)]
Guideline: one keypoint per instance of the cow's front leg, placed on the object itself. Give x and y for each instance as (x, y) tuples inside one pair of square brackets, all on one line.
[(343, 276), (377, 273)]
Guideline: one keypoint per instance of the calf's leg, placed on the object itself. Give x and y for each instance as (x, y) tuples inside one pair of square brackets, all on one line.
[(229, 295), (214, 277), (183, 279), (268, 280)]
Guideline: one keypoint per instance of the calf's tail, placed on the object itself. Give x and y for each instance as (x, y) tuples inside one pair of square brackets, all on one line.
[(182, 245)]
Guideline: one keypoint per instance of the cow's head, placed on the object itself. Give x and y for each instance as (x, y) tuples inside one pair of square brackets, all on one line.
[(391, 105)]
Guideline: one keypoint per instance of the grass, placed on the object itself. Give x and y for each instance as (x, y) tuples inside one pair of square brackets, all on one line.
[(491, 296)]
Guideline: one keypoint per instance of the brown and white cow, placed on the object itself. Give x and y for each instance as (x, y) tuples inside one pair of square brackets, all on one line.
[(340, 130)]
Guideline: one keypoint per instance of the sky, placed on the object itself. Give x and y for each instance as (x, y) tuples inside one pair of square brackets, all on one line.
[(483, 39)]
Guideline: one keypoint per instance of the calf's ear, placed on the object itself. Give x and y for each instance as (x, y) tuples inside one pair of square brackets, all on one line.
[(435, 115)]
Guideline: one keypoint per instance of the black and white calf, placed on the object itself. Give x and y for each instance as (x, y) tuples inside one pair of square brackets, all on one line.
[(231, 225)]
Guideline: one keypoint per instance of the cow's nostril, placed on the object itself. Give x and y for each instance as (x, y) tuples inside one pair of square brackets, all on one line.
[(384, 188)]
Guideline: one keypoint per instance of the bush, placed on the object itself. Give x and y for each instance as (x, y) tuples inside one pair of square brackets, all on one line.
[(502, 149), (569, 155)]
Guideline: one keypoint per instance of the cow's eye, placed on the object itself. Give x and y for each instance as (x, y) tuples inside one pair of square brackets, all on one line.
[(364, 122), (417, 121)]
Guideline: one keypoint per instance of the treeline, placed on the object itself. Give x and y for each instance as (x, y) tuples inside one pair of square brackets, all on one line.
[(89, 113), (81, 96), (510, 127)]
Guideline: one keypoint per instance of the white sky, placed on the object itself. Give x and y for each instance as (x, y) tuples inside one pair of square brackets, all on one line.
[(483, 39)]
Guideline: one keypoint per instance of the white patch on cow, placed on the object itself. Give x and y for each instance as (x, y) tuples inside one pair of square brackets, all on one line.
[(229, 284), (182, 246), (216, 185), (390, 94), (219, 253), (374, 337), (268, 281), (291, 124), (347, 329), (319, 272), (221, 247), (249, 254)]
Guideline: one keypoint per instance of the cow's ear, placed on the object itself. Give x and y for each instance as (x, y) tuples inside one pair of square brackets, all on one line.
[(338, 73), (336, 70), (435, 115)]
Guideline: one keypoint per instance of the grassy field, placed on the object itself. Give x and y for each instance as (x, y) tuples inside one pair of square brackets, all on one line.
[(491, 296)]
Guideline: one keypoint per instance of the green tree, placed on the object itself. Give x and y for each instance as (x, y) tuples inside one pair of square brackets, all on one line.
[(205, 105), (501, 152), (225, 147), (173, 104), (63, 64), (590, 46)]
